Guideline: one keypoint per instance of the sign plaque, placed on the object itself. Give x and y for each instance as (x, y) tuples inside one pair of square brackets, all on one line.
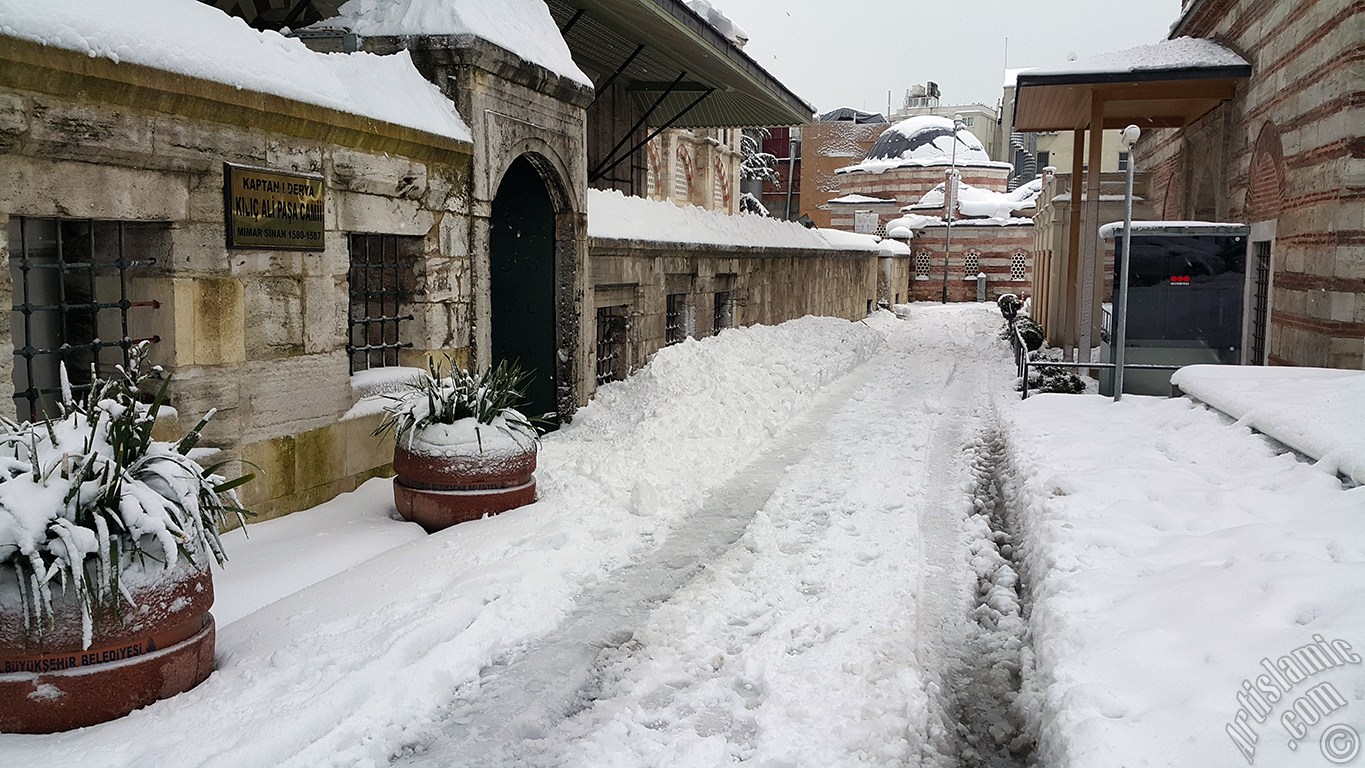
[(273, 210)]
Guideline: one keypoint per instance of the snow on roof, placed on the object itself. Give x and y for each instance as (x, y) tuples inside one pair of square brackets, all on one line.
[(615, 216), (198, 40), (723, 24), (1180, 53), (523, 27), (1317, 411), (984, 203), (1115, 228), (1012, 75), (864, 199), (923, 140)]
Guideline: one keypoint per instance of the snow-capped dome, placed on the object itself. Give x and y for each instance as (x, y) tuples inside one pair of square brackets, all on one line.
[(928, 140)]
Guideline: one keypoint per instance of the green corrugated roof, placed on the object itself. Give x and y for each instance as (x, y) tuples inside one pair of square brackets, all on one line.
[(676, 41)]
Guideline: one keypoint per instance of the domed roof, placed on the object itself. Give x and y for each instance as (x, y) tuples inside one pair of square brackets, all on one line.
[(927, 140)]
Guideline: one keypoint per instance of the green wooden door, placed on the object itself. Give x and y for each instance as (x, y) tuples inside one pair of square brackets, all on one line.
[(522, 262)]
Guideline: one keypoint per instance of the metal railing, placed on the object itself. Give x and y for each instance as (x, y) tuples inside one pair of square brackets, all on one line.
[(1023, 363)]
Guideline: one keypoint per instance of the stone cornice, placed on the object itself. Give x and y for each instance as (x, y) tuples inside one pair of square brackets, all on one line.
[(30, 66)]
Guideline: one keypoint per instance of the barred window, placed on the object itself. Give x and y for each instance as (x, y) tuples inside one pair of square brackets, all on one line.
[(675, 318), (724, 314), (613, 334), (382, 281), (972, 265), (1019, 266), (922, 265), (72, 302)]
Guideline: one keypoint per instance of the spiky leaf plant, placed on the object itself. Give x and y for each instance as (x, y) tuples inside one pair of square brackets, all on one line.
[(446, 393), (89, 493)]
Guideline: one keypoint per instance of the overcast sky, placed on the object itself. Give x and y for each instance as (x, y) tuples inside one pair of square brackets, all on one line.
[(835, 53)]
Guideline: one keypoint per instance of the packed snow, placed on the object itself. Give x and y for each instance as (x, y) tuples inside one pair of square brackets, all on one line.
[(615, 216), (1168, 552), (1180, 53), (522, 27), (198, 40), (276, 558), (1317, 411), (817, 544)]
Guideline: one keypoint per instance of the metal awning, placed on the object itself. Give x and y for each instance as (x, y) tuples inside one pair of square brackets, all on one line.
[(1166, 85), (679, 69)]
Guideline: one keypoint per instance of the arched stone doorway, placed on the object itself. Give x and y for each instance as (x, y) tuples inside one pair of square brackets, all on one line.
[(522, 267)]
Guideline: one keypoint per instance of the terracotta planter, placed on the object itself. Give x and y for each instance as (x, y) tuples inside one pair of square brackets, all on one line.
[(160, 648), (437, 491)]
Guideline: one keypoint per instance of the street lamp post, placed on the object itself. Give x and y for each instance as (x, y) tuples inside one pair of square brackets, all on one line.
[(1130, 139), (950, 195)]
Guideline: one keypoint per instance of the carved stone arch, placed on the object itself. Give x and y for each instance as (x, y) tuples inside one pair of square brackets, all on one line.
[(1265, 190)]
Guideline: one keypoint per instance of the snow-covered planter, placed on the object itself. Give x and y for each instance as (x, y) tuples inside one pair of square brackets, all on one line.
[(105, 541), (461, 449)]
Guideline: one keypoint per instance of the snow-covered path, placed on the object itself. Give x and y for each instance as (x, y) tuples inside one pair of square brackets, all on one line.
[(812, 613)]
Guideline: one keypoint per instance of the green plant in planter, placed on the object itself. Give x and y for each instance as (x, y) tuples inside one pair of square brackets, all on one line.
[(448, 395), (87, 495)]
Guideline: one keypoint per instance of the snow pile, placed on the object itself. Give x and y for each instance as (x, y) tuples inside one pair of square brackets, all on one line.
[(360, 666), (976, 202), (614, 216), (523, 27), (201, 41), (861, 199), (1317, 411), (1176, 562), (926, 140), (1180, 53), (722, 23)]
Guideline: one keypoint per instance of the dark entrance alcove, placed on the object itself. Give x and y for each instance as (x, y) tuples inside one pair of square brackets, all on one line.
[(522, 281)]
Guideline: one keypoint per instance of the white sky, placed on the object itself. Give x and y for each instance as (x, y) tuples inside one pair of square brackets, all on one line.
[(836, 53)]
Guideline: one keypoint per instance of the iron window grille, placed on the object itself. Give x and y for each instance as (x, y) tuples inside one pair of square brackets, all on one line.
[(613, 332), (380, 283), (922, 263), (1260, 301), (72, 303), (972, 266), (724, 311), (675, 318), (1019, 266)]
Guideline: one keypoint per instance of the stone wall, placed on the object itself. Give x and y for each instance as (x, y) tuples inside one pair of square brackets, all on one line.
[(258, 334), (1287, 156), (767, 286)]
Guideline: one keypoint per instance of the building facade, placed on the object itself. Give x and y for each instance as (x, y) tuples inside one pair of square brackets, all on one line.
[(1286, 155)]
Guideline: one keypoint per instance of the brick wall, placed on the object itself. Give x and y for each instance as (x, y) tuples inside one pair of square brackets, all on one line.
[(1287, 156)]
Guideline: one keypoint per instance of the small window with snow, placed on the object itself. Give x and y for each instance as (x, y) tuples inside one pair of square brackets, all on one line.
[(922, 265), (382, 280), (1019, 266), (675, 318), (72, 301), (972, 265)]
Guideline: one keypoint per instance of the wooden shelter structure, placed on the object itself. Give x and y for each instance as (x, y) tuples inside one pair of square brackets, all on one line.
[(1170, 84)]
